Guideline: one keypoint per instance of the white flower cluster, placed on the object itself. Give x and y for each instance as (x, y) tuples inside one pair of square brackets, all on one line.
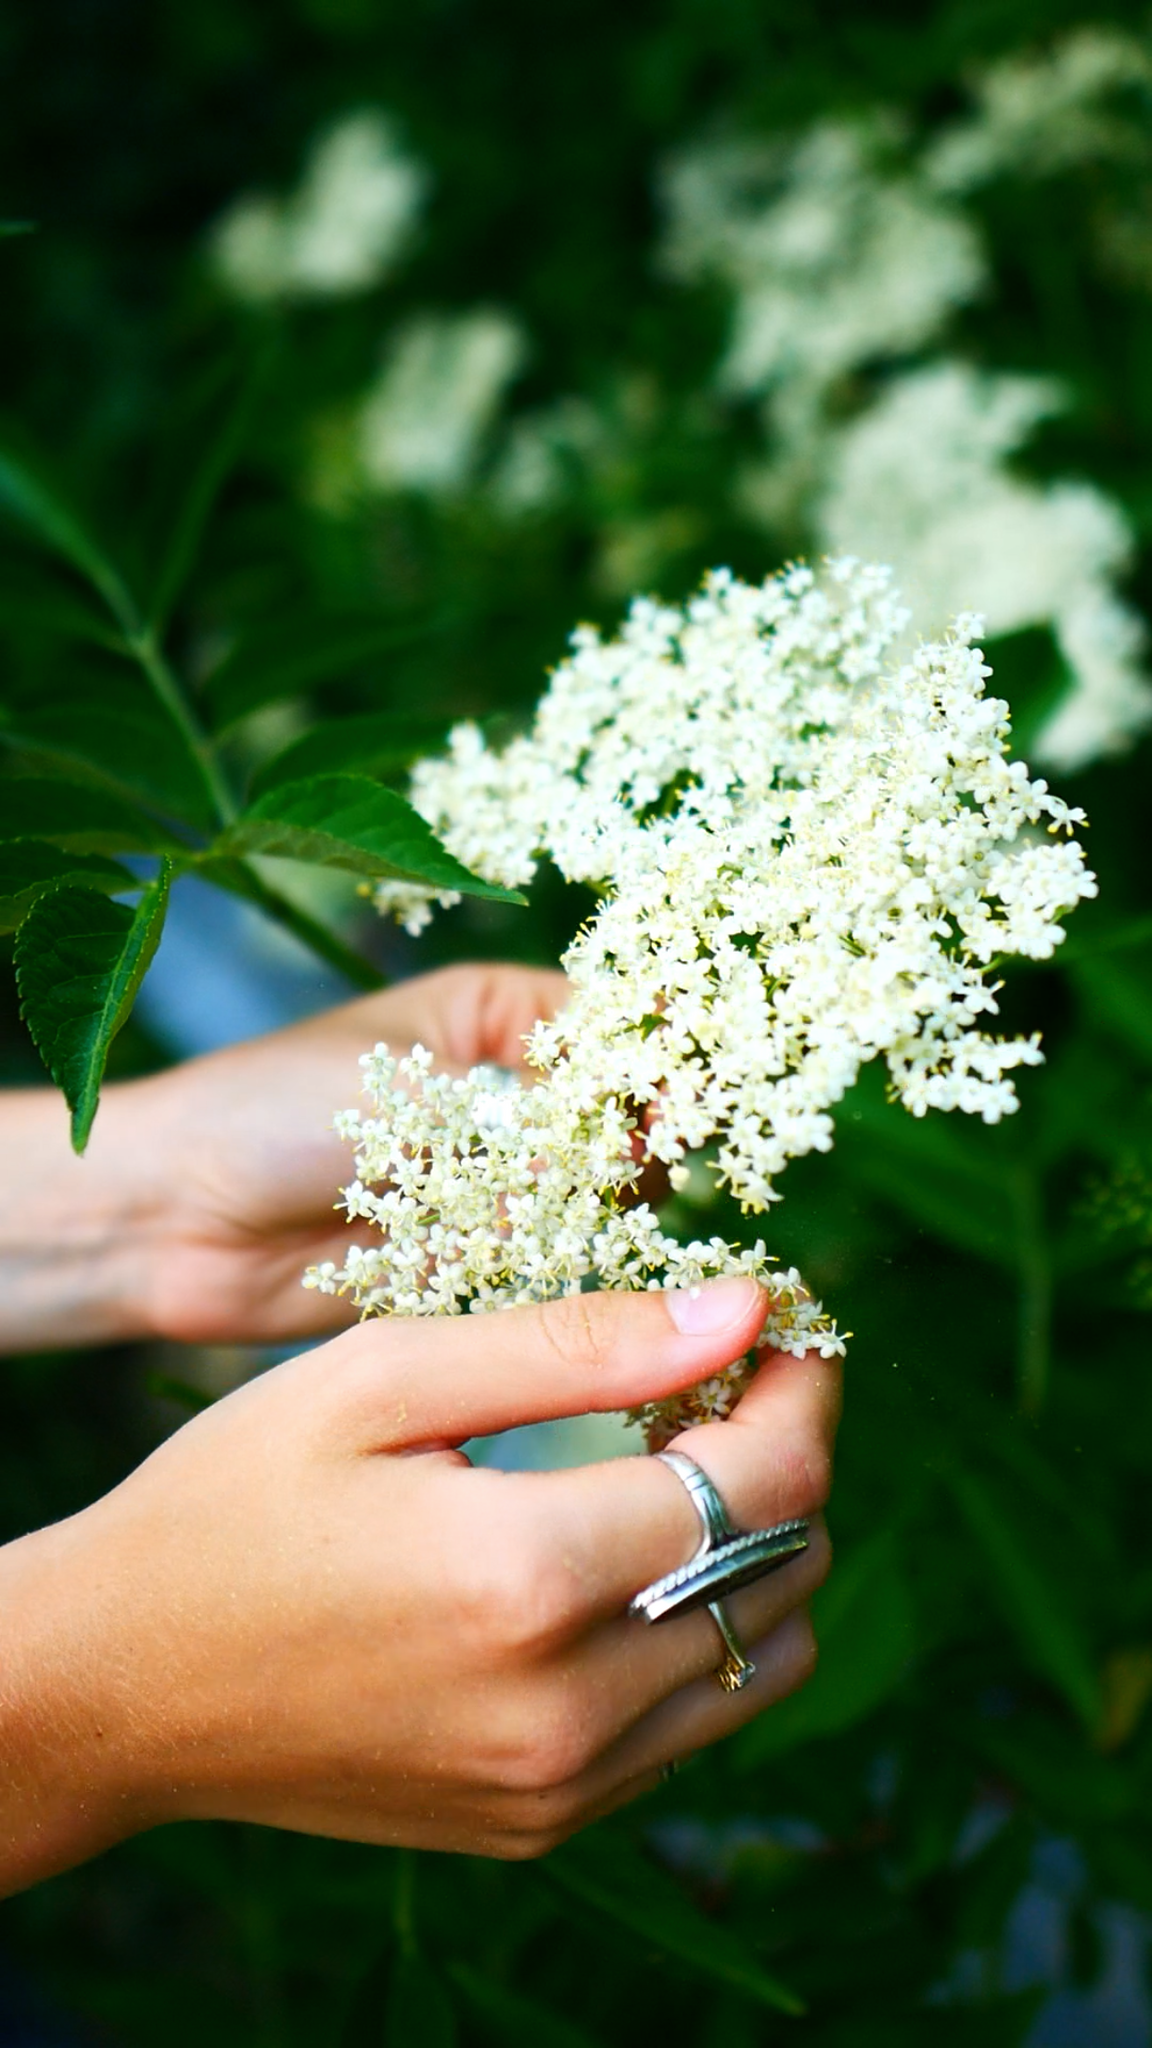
[(340, 232), (806, 857)]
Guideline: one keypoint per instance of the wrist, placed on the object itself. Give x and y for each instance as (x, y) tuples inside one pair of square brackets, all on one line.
[(70, 1783), (74, 1232)]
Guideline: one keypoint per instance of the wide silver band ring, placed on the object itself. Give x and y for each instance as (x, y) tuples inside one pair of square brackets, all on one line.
[(725, 1560)]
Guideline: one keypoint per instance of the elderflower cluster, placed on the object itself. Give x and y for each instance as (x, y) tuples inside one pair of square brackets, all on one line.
[(806, 855), (339, 233)]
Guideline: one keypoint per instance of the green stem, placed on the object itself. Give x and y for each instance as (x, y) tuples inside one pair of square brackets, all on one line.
[(143, 647)]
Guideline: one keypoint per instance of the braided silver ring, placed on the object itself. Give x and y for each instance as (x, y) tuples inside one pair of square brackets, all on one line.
[(725, 1560)]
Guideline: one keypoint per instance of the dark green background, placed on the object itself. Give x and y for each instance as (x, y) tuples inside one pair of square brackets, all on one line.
[(988, 1635)]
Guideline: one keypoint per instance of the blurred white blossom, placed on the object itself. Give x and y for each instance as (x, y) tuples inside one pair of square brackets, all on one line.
[(921, 480), (423, 424), (835, 254), (846, 254), (340, 232), (1037, 114), (807, 856)]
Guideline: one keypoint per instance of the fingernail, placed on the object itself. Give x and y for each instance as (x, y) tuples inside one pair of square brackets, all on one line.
[(705, 1311)]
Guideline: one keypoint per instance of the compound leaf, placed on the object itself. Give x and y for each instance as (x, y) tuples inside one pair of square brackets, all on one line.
[(351, 822), (375, 745), (281, 661), (80, 959), (30, 866), (78, 816), (28, 496)]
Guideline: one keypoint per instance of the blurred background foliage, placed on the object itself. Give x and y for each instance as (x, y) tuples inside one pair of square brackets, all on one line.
[(459, 322)]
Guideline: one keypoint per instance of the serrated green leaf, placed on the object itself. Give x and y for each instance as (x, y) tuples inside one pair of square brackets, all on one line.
[(516, 2021), (74, 815), (865, 1627), (44, 512), (30, 866), (418, 2012), (281, 661), (351, 822), (119, 732), (80, 959), (604, 1871), (46, 604), (1032, 1599), (378, 743)]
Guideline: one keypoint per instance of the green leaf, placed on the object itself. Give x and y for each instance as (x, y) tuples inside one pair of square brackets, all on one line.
[(418, 2011), (1033, 1601), (351, 822), (30, 866), (949, 1180), (74, 815), (865, 1627), (45, 513), (283, 660), (512, 2019), (218, 457), (120, 732), (44, 602), (377, 744), (79, 962), (604, 1871)]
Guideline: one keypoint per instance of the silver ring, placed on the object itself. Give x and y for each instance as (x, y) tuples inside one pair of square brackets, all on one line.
[(724, 1560)]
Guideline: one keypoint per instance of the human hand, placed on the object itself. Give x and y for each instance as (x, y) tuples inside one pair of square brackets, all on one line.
[(208, 1188), (307, 1609)]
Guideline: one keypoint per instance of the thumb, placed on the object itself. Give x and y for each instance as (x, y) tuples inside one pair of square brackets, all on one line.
[(443, 1380)]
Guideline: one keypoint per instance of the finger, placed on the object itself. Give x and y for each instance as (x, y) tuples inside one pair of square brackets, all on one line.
[(626, 1668), (486, 1013), (618, 1526), (405, 1382), (466, 1015), (701, 1713)]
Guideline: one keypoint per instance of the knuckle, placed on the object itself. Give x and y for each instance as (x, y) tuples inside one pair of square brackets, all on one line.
[(556, 1749), (575, 1329), (805, 1478), (535, 1608), (529, 1844)]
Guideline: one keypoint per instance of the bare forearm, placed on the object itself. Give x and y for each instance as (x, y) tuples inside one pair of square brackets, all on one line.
[(61, 1795), (71, 1230)]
